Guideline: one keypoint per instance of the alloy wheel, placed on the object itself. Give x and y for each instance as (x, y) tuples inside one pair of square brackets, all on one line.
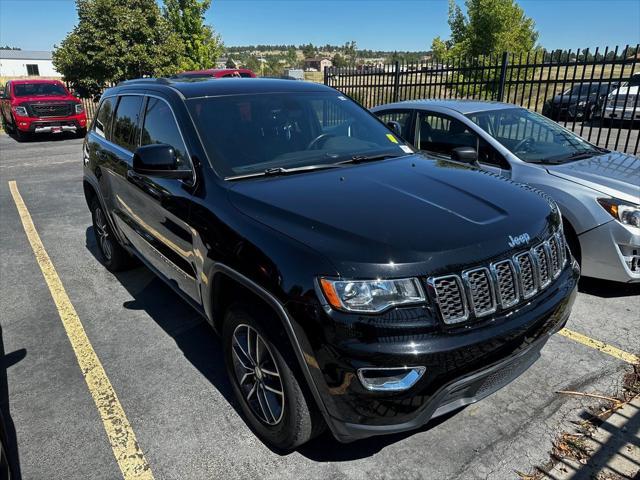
[(102, 234), (257, 374)]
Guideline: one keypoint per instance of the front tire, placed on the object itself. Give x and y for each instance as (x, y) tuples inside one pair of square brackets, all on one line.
[(275, 404), (114, 256)]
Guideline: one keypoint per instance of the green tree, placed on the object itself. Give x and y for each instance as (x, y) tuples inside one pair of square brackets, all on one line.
[(489, 27), (202, 46), (309, 51), (292, 57), (116, 40), (231, 63), (339, 61)]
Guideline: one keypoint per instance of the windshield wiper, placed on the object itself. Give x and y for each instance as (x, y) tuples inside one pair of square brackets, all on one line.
[(278, 171), (572, 157), (369, 158)]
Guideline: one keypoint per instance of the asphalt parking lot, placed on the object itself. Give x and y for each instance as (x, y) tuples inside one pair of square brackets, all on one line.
[(165, 365)]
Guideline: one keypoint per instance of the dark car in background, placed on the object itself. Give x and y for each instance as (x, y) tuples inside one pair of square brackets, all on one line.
[(582, 101), (356, 284)]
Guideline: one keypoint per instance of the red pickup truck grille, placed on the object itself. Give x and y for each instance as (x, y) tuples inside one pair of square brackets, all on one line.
[(43, 110)]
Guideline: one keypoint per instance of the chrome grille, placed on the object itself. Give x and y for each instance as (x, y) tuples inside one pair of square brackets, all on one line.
[(506, 283), (562, 248), (542, 260), (481, 291), (481, 295), (554, 256), (451, 299), (527, 274)]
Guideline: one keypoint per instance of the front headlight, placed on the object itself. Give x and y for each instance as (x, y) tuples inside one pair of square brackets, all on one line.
[(582, 103), (21, 111), (625, 212), (371, 296), (79, 108)]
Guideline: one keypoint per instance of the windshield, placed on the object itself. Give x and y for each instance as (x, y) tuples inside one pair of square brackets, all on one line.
[(246, 134), (38, 90), (532, 137)]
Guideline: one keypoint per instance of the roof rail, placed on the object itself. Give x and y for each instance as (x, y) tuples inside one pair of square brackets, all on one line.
[(163, 81)]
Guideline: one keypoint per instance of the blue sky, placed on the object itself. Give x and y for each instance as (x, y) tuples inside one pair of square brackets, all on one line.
[(373, 24)]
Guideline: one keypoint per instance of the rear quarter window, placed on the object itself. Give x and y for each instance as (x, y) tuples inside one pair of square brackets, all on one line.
[(102, 126)]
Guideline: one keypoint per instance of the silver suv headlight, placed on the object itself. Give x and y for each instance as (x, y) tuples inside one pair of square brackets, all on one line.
[(625, 212), (371, 296)]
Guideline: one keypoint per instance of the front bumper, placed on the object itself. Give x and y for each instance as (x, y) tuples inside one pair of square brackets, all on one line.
[(52, 124), (462, 365), (606, 251)]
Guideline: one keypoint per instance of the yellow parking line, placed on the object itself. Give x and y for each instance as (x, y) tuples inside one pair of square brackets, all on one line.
[(601, 346), (123, 441)]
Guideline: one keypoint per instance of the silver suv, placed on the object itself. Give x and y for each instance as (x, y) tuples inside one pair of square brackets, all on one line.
[(598, 191)]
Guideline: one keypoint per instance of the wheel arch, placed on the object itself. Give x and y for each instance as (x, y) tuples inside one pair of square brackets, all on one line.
[(228, 285)]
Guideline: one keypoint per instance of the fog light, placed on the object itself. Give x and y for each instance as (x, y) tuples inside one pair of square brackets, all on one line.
[(393, 379)]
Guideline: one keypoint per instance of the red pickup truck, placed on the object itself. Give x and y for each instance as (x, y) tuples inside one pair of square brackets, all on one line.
[(41, 106)]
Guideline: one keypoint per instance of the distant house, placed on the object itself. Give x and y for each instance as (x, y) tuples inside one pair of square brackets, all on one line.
[(26, 63), (317, 64)]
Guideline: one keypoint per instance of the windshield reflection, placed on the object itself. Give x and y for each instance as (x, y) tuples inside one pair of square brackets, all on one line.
[(532, 137)]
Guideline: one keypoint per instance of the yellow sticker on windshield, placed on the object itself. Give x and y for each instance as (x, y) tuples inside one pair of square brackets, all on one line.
[(392, 138)]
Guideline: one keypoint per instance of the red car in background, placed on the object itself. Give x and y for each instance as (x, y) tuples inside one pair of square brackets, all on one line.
[(218, 73), (41, 106)]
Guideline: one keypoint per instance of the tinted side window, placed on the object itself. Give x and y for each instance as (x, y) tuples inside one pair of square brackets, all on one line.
[(161, 127), (403, 117), (126, 124), (103, 120), (440, 134)]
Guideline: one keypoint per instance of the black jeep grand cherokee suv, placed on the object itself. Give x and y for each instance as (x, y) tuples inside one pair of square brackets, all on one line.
[(355, 284)]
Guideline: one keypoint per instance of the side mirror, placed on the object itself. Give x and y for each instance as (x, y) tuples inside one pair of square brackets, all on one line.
[(465, 155), (76, 94), (158, 160), (395, 127)]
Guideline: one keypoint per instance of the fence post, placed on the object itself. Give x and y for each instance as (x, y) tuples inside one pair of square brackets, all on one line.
[(326, 75), (503, 76), (396, 82)]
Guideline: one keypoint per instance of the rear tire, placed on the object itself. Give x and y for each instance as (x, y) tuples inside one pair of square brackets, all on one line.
[(81, 132), (114, 256), (282, 426)]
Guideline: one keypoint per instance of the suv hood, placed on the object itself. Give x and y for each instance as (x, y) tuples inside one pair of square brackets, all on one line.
[(615, 174), (407, 216)]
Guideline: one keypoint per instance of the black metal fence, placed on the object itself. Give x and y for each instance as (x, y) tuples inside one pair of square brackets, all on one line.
[(592, 92)]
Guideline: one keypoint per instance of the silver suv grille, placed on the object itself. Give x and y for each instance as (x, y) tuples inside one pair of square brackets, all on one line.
[(482, 291)]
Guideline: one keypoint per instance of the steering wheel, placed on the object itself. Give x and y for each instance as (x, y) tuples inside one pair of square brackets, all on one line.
[(315, 143), (522, 143)]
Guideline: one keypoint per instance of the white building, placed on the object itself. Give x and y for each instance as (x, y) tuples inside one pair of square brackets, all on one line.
[(26, 63)]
